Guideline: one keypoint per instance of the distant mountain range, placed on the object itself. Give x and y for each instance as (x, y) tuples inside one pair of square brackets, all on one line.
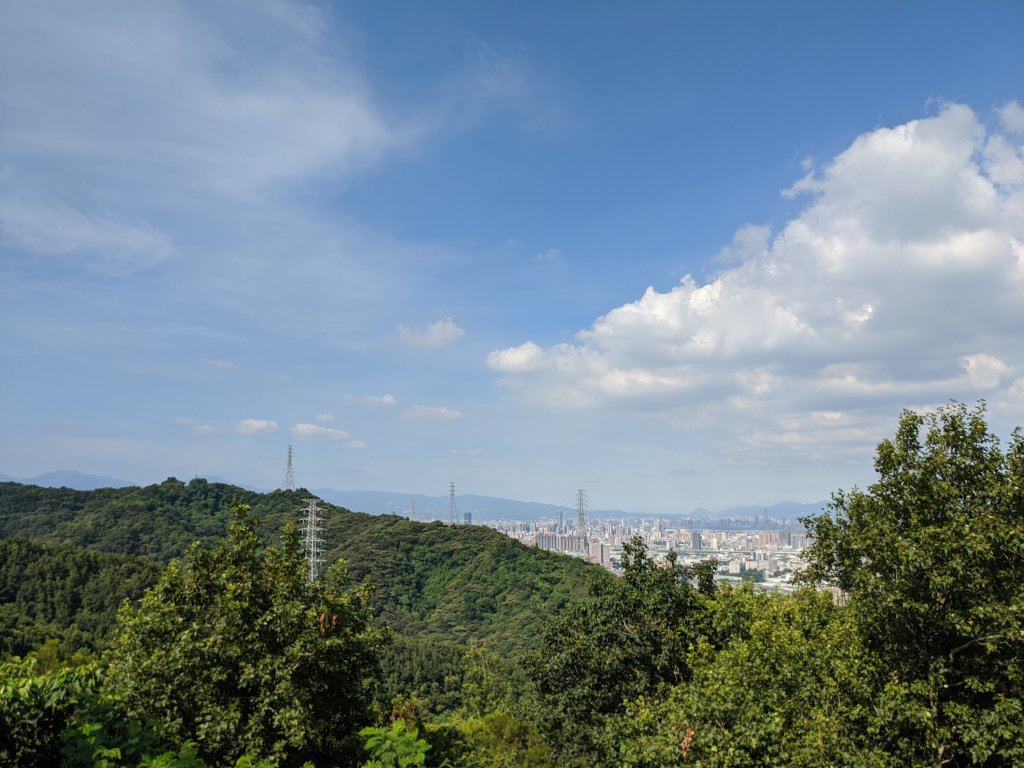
[(481, 508), (490, 508), (68, 478)]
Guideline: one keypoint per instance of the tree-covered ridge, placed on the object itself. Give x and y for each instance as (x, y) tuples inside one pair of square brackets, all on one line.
[(156, 521), (63, 592), (435, 582)]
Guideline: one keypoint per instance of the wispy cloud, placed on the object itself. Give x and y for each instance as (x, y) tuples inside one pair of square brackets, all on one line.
[(112, 247), (386, 400), (223, 365), (256, 426), (200, 428), (432, 413), (306, 431), (435, 335)]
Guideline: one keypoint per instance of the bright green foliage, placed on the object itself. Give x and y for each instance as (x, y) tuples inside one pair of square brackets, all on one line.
[(36, 709), (932, 558), (632, 636), (786, 687), (394, 747), (500, 740), (234, 650)]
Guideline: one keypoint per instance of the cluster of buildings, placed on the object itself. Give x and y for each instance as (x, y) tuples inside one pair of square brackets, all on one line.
[(767, 552)]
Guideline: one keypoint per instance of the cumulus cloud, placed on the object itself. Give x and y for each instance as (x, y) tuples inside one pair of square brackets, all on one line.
[(256, 426), (305, 431), (901, 282), (435, 335), (432, 413), (749, 242), (325, 418)]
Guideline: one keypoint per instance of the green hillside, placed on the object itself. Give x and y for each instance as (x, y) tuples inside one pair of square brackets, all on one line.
[(64, 592), (435, 583)]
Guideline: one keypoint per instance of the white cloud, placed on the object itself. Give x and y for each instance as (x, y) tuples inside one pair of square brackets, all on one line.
[(256, 426), (901, 282), (435, 335), (325, 418), (749, 242), (305, 431), (356, 444), (1012, 118), (432, 413)]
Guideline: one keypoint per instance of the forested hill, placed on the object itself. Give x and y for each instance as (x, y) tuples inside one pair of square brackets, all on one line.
[(436, 583)]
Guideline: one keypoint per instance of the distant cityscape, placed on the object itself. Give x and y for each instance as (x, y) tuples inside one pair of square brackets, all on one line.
[(767, 552)]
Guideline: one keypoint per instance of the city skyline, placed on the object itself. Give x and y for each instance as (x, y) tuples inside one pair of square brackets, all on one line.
[(680, 255)]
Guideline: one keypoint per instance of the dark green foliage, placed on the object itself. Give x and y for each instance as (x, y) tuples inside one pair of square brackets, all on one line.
[(234, 650), (60, 591), (631, 637), (158, 521), (932, 558), (457, 584)]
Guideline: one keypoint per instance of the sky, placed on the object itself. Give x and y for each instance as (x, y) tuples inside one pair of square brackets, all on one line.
[(677, 254)]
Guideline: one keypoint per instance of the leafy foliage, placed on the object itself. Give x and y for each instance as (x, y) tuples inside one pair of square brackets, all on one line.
[(632, 636), (394, 747), (234, 650), (777, 681), (932, 558)]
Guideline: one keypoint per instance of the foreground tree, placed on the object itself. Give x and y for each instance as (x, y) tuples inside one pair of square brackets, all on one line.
[(932, 559), (631, 637), (234, 650), (779, 680)]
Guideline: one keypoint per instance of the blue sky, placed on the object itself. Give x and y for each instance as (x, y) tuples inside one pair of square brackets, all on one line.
[(677, 254)]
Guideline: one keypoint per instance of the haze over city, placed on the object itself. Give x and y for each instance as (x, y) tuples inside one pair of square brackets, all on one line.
[(680, 255)]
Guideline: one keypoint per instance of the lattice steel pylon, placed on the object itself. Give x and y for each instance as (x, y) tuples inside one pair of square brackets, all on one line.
[(289, 478), (451, 503), (311, 541), (581, 513)]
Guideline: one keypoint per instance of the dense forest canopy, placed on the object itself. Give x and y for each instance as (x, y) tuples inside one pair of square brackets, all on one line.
[(472, 650)]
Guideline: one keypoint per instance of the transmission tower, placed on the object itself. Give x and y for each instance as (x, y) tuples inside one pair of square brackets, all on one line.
[(311, 540), (451, 503), (289, 478), (581, 513), (412, 515)]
